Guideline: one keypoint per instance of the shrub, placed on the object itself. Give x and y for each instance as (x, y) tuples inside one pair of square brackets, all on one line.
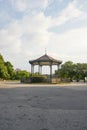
[(38, 79)]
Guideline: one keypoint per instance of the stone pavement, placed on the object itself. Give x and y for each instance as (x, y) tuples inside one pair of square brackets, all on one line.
[(39, 107)]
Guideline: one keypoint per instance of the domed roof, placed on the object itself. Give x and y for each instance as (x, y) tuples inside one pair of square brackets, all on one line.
[(45, 60)]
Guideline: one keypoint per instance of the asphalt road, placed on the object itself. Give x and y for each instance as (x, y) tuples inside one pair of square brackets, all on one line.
[(43, 108)]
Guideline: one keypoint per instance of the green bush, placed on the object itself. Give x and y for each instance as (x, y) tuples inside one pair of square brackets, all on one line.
[(38, 79)]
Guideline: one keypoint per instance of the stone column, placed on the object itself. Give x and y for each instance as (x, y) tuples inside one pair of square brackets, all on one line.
[(58, 67), (39, 69), (50, 72), (32, 69)]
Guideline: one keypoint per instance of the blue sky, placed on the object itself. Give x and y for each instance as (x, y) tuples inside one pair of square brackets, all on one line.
[(27, 27)]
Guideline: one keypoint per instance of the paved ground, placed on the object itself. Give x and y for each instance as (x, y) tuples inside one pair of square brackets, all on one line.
[(39, 107)]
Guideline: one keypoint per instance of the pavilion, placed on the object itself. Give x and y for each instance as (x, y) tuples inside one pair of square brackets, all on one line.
[(44, 60)]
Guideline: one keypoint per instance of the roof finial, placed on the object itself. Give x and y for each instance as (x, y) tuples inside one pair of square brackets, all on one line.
[(45, 51)]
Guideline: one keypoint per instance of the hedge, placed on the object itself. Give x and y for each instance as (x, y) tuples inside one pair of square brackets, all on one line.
[(38, 79)]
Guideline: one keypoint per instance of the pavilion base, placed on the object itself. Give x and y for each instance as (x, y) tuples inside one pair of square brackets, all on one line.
[(53, 80)]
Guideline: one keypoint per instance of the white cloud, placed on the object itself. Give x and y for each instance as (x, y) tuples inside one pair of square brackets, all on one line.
[(72, 12), (4, 16), (70, 45), (22, 38), (19, 5), (35, 30), (22, 5), (9, 42), (60, 0), (28, 37), (36, 23), (10, 38)]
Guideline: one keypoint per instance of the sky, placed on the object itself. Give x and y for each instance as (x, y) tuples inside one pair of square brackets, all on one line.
[(27, 27)]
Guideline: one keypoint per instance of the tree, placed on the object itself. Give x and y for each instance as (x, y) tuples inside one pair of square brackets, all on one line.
[(80, 71), (7, 71), (19, 74), (3, 70), (10, 69), (1, 59), (66, 70), (72, 71)]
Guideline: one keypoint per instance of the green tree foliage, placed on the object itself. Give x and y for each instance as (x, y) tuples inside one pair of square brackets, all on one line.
[(80, 71), (4, 73), (7, 71), (10, 69), (66, 70), (19, 74), (1, 60), (3, 69), (72, 71)]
